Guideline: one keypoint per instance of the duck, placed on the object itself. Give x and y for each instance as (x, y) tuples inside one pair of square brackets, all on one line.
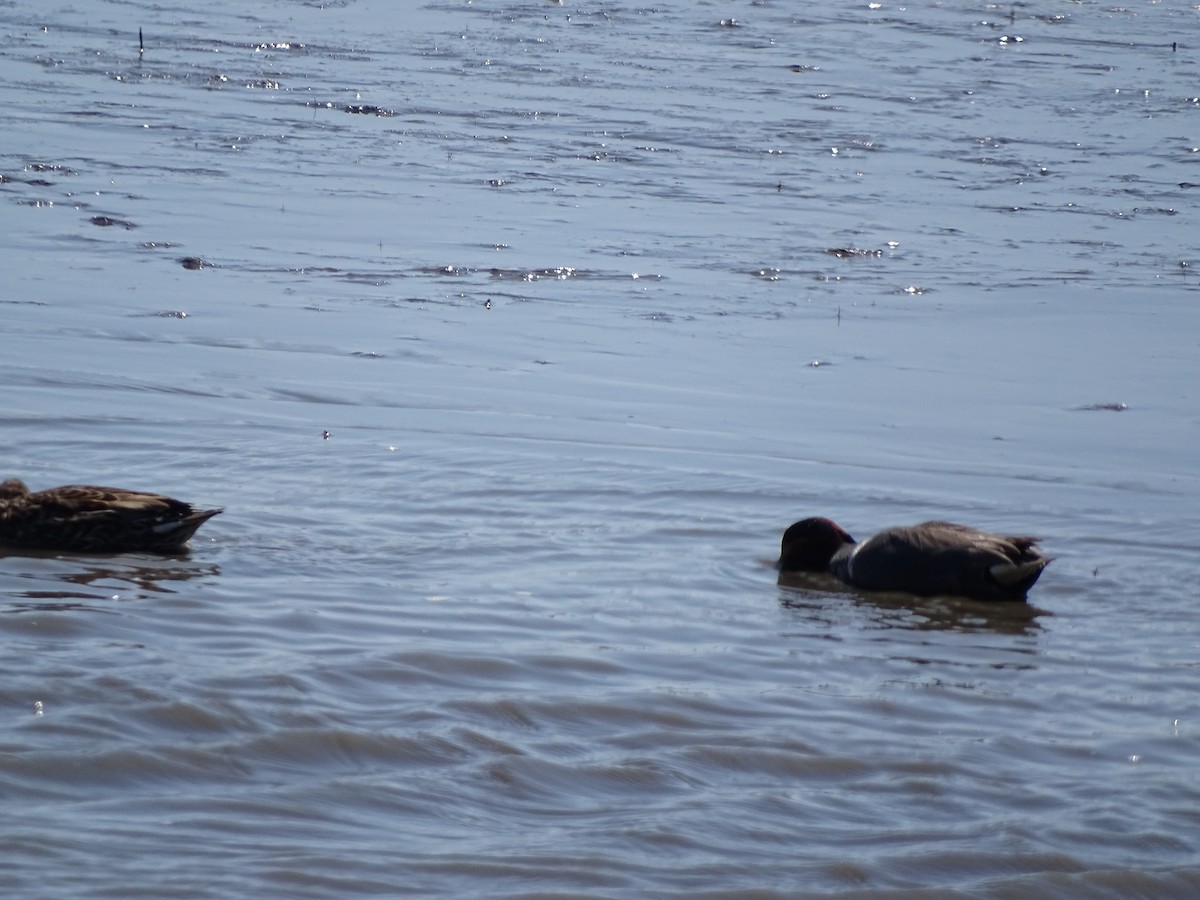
[(926, 559), (89, 519)]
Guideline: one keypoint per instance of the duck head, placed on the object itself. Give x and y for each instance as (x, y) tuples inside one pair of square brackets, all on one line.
[(809, 545), (12, 488)]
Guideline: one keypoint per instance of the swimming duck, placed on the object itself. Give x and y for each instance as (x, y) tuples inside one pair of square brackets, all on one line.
[(925, 559), (88, 519)]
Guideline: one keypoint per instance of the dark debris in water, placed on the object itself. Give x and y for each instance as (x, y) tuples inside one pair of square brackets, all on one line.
[(854, 252), (110, 222), (450, 270), (278, 45), (367, 109), (50, 167), (357, 109), (1102, 407), (559, 272)]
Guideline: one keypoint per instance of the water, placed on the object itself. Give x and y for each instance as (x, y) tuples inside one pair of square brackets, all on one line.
[(512, 629)]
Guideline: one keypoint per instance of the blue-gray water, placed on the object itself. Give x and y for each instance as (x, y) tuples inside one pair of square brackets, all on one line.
[(512, 629)]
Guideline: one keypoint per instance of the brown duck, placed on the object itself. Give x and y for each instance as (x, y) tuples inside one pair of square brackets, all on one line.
[(87, 519), (930, 558)]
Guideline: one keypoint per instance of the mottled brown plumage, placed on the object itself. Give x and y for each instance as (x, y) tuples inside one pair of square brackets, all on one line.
[(930, 558), (88, 519)]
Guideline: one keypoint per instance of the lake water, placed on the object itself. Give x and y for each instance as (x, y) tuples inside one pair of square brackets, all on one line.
[(593, 299)]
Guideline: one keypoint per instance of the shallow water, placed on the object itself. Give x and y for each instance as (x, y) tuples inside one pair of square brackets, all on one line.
[(512, 628)]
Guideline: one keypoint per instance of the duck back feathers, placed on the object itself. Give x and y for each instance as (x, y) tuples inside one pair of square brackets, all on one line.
[(94, 519)]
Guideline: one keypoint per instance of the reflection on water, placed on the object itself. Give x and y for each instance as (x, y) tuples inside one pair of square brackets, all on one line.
[(120, 577), (149, 578), (812, 594), (52, 601)]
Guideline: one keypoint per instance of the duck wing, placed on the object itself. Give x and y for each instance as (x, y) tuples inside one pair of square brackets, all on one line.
[(947, 558), (89, 518)]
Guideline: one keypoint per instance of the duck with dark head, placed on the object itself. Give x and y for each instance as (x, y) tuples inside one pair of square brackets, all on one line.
[(926, 559)]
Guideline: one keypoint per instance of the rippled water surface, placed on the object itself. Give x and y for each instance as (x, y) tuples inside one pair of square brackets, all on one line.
[(592, 300)]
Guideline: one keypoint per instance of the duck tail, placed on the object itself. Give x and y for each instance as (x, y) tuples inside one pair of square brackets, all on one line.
[(181, 530), (1017, 576)]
